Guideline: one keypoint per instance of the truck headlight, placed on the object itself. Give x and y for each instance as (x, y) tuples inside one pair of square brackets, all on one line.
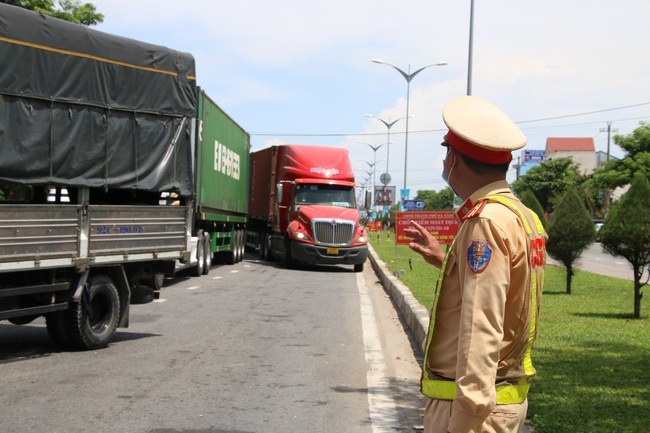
[(300, 235)]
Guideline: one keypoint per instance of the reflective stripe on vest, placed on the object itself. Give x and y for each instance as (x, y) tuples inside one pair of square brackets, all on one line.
[(508, 393)]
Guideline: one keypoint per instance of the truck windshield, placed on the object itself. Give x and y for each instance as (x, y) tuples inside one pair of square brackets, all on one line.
[(328, 195)]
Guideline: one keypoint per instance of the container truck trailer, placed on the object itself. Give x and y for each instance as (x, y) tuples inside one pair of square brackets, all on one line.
[(303, 207), (222, 176), (112, 166)]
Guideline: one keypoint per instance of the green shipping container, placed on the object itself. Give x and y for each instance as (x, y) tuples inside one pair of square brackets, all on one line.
[(222, 162)]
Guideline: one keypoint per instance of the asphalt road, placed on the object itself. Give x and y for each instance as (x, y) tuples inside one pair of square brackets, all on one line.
[(252, 347), (594, 259)]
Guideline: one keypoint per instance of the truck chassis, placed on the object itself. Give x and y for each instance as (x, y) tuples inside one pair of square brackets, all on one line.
[(81, 266)]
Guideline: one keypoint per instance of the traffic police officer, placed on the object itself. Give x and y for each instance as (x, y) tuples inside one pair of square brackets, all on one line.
[(477, 366)]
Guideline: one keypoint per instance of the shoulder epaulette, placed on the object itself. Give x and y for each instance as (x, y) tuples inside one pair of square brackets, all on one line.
[(476, 210)]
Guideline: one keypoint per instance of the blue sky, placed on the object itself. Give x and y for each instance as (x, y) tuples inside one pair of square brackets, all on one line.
[(292, 71)]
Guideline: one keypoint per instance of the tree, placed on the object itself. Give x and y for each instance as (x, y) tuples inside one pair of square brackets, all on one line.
[(441, 200), (528, 198), (626, 232), (69, 10), (549, 180), (570, 232), (619, 172)]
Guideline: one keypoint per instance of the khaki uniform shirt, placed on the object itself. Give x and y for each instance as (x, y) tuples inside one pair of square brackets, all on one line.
[(482, 322)]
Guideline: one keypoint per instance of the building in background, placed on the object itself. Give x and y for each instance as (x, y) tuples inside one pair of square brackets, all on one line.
[(580, 149), (583, 152)]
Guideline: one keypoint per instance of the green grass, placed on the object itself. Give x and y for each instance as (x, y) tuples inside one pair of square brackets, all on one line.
[(592, 358)]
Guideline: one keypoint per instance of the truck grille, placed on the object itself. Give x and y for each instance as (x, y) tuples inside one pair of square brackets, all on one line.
[(333, 231)]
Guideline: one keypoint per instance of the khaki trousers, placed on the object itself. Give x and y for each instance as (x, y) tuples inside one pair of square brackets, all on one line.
[(507, 418)]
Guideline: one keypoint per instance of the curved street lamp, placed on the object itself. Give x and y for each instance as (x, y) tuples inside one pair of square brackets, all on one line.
[(374, 152), (408, 76), (388, 125), (373, 171)]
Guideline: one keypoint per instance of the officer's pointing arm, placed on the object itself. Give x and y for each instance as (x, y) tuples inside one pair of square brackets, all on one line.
[(425, 244)]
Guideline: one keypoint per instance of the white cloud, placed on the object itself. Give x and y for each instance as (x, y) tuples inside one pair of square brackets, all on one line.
[(291, 67)]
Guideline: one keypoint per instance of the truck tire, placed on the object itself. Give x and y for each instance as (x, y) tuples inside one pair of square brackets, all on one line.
[(261, 246), (358, 267), (197, 270), (207, 254), (156, 282), (289, 261), (268, 256), (91, 323), (230, 256), (242, 244)]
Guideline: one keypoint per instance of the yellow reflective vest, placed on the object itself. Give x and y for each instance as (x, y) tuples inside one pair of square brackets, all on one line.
[(509, 391)]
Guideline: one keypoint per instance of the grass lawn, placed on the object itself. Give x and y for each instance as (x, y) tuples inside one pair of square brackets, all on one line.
[(592, 358)]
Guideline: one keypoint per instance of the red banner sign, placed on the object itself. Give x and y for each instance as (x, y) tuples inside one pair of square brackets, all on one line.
[(441, 224), (374, 226)]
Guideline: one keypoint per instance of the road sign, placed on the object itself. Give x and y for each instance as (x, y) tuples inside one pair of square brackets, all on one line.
[(385, 178), (534, 155), (384, 195), (413, 204), (441, 224)]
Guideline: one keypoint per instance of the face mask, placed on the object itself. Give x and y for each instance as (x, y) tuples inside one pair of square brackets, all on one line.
[(446, 177)]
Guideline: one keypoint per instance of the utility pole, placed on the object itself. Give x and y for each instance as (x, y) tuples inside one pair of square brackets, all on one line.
[(607, 192)]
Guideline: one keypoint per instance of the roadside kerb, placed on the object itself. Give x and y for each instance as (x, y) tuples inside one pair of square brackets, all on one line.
[(414, 313)]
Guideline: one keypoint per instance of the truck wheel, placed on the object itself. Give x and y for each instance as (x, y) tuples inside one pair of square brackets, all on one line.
[(288, 260), (197, 271), (267, 247), (358, 267), (242, 244), (262, 251), (156, 282), (91, 323), (207, 254), (230, 256)]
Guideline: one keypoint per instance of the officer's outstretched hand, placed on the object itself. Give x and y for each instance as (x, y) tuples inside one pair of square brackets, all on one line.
[(425, 244)]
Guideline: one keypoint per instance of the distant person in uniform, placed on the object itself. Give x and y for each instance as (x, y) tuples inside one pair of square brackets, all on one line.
[(477, 366)]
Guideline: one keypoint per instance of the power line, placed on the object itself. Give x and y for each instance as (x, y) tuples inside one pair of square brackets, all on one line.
[(585, 113), (429, 131)]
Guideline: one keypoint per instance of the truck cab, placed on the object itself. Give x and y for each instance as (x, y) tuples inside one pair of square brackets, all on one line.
[(323, 223), (303, 206)]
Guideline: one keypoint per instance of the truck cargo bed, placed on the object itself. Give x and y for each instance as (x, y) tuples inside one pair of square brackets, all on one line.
[(49, 236)]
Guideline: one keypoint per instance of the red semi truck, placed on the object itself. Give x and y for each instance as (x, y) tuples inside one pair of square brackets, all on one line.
[(302, 207)]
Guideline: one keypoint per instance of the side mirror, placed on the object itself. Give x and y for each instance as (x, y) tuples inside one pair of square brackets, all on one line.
[(278, 193)]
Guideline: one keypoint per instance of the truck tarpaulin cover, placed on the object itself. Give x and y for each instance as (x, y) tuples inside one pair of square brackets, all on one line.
[(79, 107)]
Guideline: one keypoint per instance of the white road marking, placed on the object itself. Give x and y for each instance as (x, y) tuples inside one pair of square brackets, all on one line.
[(383, 414), (233, 272), (160, 300), (217, 278), (193, 287)]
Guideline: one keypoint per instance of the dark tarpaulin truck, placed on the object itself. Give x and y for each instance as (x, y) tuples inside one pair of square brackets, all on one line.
[(100, 137)]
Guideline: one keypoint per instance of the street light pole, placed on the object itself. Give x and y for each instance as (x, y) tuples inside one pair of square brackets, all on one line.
[(374, 177), (388, 125), (470, 55), (374, 153), (408, 76)]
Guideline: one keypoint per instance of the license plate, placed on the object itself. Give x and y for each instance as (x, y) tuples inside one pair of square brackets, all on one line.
[(333, 251)]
